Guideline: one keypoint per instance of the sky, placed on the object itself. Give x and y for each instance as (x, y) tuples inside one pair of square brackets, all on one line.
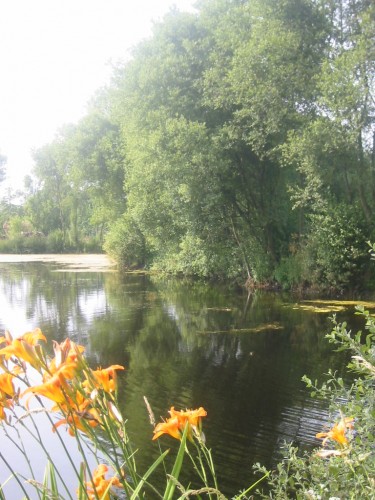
[(54, 56)]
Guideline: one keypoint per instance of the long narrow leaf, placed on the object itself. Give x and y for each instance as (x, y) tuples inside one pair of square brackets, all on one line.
[(147, 474), (81, 492), (171, 485), (52, 479), (242, 495)]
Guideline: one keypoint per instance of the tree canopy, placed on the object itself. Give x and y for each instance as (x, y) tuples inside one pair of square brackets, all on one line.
[(238, 142)]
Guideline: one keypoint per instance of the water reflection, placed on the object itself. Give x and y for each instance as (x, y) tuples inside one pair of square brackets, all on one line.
[(239, 355)]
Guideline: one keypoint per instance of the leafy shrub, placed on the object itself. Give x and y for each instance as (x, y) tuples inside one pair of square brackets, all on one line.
[(55, 241), (344, 467), (337, 246), (260, 262), (189, 259), (7, 246), (197, 257), (34, 244), (91, 244), (296, 269), (125, 244), (22, 244), (289, 272)]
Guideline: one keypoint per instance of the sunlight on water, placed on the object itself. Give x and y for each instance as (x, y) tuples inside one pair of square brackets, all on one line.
[(13, 316)]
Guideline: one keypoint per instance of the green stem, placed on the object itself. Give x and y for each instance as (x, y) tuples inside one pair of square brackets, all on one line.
[(171, 484), (20, 447), (14, 475)]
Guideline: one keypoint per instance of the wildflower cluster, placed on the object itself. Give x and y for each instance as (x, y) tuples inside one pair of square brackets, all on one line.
[(66, 379), (175, 425), (100, 485), (83, 400)]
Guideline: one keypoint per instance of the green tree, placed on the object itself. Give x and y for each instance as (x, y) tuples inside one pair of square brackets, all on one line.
[(333, 153), (204, 107), (98, 170), (224, 146), (48, 207), (79, 182)]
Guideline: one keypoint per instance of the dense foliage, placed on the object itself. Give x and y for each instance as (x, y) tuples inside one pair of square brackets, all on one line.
[(344, 467), (238, 142)]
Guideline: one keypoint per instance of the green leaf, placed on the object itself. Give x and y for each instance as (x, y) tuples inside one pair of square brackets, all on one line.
[(149, 471), (171, 484)]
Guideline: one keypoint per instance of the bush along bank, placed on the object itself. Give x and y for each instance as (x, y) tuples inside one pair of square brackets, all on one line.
[(343, 467)]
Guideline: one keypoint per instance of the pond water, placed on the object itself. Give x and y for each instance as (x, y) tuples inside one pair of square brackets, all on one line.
[(185, 344)]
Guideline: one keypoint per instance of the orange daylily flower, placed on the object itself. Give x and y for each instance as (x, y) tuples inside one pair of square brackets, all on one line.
[(29, 337), (3, 405), (105, 379), (33, 337), (191, 416), (175, 425), (66, 371), (6, 393), (77, 403), (100, 486), (77, 411), (6, 384), (337, 433), (52, 389), (67, 352), (7, 338), (171, 426), (75, 421), (23, 347)]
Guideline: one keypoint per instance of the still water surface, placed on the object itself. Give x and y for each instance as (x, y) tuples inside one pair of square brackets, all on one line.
[(241, 356)]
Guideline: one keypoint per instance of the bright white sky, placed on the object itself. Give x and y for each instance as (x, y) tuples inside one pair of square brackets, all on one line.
[(54, 55)]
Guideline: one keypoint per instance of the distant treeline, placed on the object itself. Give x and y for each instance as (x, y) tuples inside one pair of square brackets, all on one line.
[(236, 143)]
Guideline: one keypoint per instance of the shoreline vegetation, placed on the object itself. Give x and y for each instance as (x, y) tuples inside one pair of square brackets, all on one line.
[(101, 262)]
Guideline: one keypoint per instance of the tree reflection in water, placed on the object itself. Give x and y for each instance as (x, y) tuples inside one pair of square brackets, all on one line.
[(187, 344)]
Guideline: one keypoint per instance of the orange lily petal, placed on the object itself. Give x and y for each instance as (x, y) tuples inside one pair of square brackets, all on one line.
[(171, 427), (175, 425), (6, 383), (106, 378), (100, 485), (192, 416), (337, 433), (66, 352), (52, 389), (33, 337)]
